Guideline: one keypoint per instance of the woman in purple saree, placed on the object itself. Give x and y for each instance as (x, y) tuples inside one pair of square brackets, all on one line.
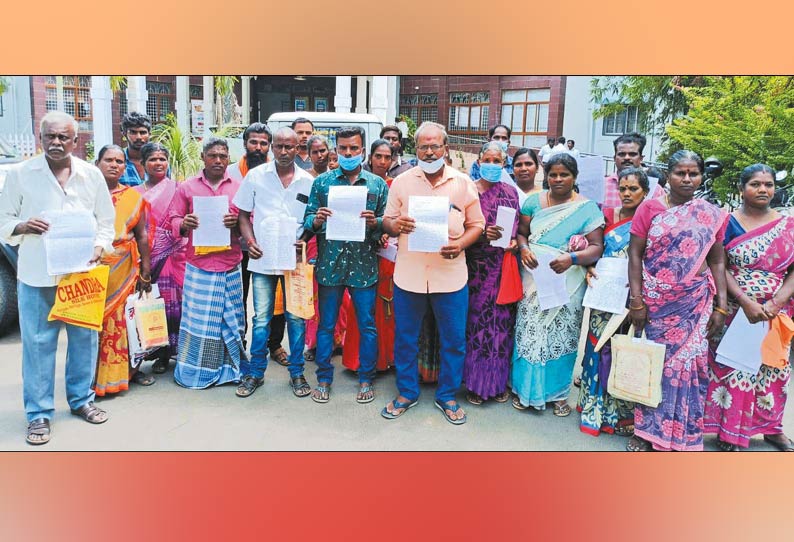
[(678, 295)]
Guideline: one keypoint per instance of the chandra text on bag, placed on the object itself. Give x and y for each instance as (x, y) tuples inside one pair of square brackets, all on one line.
[(80, 298)]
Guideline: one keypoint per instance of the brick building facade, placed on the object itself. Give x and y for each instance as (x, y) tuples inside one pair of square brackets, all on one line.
[(533, 106)]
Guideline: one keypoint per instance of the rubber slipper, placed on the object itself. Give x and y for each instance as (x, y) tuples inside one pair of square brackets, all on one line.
[(325, 394), (362, 390), (783, 447), (454, 408), (397, 405)]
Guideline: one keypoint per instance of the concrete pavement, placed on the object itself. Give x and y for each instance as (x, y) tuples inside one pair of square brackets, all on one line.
[(169, 418)]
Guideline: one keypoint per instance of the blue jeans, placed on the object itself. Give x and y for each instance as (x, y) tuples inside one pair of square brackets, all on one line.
[(39, 344), (330, 299), (450, 310), (264, 303)]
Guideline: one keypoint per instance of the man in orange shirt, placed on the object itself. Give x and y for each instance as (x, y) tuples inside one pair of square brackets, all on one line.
[(432, 279)]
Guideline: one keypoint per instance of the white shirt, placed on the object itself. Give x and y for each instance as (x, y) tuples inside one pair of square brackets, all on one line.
[(545, 150), (558, 148), (30, 189), (263, 193), (573, 152)]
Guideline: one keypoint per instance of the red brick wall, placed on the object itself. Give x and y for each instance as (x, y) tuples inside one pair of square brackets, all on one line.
[(38, 100), (443, 85)]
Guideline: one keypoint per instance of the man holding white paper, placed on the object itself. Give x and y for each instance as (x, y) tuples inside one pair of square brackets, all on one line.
[(276, 194), (347, 264), (210, 334), (436, 280), (53, 181)]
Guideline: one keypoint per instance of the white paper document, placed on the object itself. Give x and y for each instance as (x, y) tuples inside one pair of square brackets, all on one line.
[(389, 251), (210, 211), (552, 291), (591, 178), (653, 182), (432, 223), (505, 217), (740, 347), (347, 203), (276, 237), (610, 290), (69, 241)]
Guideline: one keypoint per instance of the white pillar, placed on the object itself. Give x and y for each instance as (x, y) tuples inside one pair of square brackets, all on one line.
[(183, 103), (137, 95), (379, 102), (393, 99), (342, 99), (101, 97), (209, 104), (245, 81), (361, 94)]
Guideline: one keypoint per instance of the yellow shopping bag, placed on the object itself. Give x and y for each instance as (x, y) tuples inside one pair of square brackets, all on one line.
[(80, 298), (636, 372), (300, 288), (150, 322)]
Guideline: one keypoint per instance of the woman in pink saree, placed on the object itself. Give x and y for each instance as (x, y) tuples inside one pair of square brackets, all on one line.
[(678, 295), (168, 253), (760, 248)]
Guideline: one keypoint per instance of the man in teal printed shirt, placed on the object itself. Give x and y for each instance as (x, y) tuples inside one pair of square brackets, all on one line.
[(347, 264)]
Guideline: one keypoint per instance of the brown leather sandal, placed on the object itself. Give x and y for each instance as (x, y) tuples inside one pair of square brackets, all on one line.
[(38, 432), (91, 413)]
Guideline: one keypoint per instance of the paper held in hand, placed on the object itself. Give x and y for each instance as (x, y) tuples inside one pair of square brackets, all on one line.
[(551, 287), (69, 241), (505, 218), (347, 204), (610, 290), (431, 231), (740, 347), (275, 235), (210, 211)]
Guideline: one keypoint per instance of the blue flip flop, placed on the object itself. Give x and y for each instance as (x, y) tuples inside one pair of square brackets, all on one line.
[(454, 408), (395, 405)]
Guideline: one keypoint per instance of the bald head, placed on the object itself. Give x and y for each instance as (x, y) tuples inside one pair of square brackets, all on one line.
[(285, 147)]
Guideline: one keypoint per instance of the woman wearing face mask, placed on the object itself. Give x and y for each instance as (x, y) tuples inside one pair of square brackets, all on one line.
[(130, 245), (678, 295), (489, 329), (525, 167), (599, 410), (554, 225), (381, 157), (759, 243)]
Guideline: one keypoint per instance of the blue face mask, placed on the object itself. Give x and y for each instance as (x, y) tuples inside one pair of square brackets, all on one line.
[(350, 164), (491, 172)]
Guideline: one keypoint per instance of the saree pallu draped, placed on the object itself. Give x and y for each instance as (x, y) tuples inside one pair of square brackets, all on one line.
[(599, 410), (210, 337), (679, 300), (739, 404), (113, 367), (489, 327), (168, 256), (546, 340)]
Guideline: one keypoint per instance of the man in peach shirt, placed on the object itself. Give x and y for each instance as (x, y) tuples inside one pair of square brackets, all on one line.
[(435, 280)]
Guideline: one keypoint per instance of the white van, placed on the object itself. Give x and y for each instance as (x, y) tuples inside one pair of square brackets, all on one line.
[(327, 124)]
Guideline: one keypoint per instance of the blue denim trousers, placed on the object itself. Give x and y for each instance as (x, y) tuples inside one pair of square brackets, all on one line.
[(264, 287), (39, 344), (450, 310), (330, 299)]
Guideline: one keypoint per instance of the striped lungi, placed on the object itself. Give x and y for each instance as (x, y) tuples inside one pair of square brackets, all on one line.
[(210, 332)]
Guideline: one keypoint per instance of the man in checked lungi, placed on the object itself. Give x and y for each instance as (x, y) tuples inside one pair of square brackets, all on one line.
[(210, 343)]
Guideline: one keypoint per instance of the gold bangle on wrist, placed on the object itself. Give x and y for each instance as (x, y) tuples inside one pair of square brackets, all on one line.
[(631, 308), (721, 311)]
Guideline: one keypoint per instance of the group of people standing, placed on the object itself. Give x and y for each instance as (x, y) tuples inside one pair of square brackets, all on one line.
[(432, 316)]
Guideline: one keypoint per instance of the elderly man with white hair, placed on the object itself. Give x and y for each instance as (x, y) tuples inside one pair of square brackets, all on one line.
[(432, 280), (53, 181)]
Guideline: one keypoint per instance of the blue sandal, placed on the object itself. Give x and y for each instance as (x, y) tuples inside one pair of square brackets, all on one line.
[(395, 405), (454, 408)]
